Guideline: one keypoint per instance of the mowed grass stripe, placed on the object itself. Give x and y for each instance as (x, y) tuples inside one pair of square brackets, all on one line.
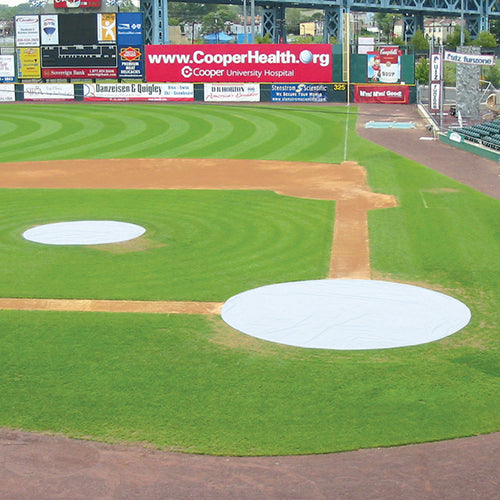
[(118, 131), (199, 245)]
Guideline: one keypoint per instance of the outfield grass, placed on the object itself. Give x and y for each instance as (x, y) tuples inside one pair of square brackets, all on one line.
[(191, 383)]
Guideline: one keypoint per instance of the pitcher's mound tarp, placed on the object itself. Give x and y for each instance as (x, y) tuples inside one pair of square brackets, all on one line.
[(345, 314)]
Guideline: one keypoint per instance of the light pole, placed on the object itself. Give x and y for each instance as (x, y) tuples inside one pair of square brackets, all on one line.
[(252, 20), (245, 37), (461, 23)]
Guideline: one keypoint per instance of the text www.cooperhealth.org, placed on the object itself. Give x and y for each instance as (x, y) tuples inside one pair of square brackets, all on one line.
[(250, 57)]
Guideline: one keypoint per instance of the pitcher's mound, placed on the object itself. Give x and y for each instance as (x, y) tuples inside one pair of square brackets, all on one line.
[(345, 314), (84, 232)]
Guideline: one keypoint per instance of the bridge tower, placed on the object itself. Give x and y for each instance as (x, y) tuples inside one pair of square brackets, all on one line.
[(155, 22), (273, 22)]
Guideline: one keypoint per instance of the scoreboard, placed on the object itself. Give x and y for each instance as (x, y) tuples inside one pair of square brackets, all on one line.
[(71, 56), (83, 45)]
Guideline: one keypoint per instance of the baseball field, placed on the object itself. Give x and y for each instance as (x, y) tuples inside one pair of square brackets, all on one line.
[(188, 382)]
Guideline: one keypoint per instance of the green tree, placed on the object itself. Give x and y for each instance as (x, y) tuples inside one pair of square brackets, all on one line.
[(189, 13), (397, 40), (215, 22), (492, 75), (486, 40), (495, 29), (419, 42), (263, 39), (450, 74), (422, 70), (453, 40), (293, 20), (128, 6), (385, 23)]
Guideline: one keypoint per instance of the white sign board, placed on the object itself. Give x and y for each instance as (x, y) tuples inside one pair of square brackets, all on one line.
[(232, 92), (436, 67), (27, 31), (138, 92), (49, 91), (477, 59), (7, 68), (7, 92), (435, 96), (49, 29)]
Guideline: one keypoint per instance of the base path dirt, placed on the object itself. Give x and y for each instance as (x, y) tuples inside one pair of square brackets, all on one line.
[(345, 183)]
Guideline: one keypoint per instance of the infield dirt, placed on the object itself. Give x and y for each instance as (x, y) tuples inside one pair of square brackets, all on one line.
[(345, 183)]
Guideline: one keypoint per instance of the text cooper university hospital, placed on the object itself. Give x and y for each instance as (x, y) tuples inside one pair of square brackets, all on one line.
[(250, 57)]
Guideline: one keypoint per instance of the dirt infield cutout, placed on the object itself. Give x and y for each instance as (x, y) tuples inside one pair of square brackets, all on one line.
[(345, 183), (363, 327)]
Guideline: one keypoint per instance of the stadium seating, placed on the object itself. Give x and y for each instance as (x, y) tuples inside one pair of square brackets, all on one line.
[(486, 134)]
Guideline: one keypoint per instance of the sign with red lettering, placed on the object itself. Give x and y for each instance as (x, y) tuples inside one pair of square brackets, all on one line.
[(388, 94), (76, 4), (239, 63), (384, 66), (79, 73)]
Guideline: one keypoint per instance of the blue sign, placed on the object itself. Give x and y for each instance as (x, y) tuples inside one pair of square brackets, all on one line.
[(131, 62), (129, 28), (299, 92)]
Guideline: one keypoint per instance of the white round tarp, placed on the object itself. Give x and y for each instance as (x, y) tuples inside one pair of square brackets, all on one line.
[(345, 314), (84, 232)]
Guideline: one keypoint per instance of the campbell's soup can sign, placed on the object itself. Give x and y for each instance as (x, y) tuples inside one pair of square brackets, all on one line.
[(390, 69), (384, 65)]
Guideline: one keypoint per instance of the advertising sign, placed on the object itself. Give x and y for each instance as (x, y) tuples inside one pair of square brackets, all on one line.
[(366, 44), (27, 31), (138, 92), (52, 73), (388, 94), (49, 92), (436, 67), (435, 96), (76, 4), (240, 92), (239, 63), (106, 28), (131, 62), (28, 62), (49, 29), (299, 92), (7, 92), (436, 70), (384, 65), (7, 68), (477, 59), (129, 28)]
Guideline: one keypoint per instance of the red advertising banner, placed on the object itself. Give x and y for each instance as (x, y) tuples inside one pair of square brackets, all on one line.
[(388, 94), (79, 73), (311, 63), (75, 4)]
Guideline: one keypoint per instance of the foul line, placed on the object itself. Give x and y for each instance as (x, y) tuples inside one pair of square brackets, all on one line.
[(346, 130)]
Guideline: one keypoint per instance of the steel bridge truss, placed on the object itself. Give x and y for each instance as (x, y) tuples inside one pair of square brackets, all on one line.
[(476, 14)]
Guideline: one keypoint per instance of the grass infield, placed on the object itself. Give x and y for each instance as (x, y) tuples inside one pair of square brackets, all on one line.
[(190, 383)]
